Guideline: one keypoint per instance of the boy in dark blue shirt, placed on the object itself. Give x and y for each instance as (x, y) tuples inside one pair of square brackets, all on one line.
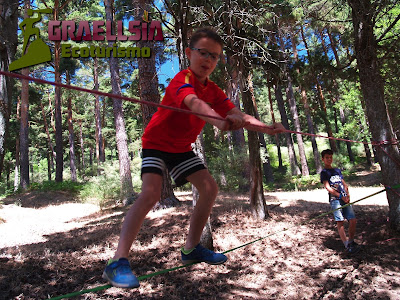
[(333, 181)]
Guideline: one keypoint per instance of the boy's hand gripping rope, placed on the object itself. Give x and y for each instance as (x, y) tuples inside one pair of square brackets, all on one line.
[(140, 278)]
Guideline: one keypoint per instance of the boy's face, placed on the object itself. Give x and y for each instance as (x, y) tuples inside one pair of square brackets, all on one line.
[(203, 66), (327, 160)]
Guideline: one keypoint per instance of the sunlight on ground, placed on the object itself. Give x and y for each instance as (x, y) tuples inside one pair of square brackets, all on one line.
[(29, 225)]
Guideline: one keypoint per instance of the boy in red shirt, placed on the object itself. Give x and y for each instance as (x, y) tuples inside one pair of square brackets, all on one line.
[(167, 143)]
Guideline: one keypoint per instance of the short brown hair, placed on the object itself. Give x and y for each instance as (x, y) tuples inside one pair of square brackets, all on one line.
[(326, 152), (205, 32)]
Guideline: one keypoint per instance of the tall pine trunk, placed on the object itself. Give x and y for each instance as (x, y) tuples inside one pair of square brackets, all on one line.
[(24, 132), (266, 164), (71, 135), (372, 86), (148, 85), (100, 153), (277, 141), (307, 110), (238, 139), (257, 199), (8, 46), (51, 152), (121, 137), (293, 109), (284, 120), (24, 124), (320, 95)]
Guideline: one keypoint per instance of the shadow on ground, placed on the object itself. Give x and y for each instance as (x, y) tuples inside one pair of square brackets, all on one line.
[(306, 262)]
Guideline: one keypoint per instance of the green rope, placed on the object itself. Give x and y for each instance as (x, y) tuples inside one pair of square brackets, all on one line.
[(140, 278)]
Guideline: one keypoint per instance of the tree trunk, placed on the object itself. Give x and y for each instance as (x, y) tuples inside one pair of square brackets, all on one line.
[(336, 95), (8, 46), (296, 121), (277, 141), (121, 137), (71, 135), (293, 111), (307, 111), (238, 139), (372, 87), (17, 151), (310, 125), (49, 143), (292, 154), (24, 132), (267, 170), (148, 85), (82, 147), (100, 155), (320, 95), (257, 200)]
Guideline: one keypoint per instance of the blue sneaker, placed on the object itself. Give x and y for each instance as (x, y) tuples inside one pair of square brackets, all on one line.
[(119, 274), (201, 254)]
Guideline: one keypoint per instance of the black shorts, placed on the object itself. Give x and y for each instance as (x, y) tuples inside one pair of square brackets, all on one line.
[(179, 165)]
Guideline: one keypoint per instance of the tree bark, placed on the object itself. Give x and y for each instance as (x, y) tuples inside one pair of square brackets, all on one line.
[(257, 200), (100, 155), (372, 87), (320, 95), (307, 110), (121, 137), (284, 120), (49, 142), (267, 169), (277, 141), (238, 139), (24, 132), (71, 135), (148, 85), (293, 110), (8, 47)]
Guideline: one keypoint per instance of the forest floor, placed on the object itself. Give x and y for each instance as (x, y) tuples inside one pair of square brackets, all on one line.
[(51, 245)]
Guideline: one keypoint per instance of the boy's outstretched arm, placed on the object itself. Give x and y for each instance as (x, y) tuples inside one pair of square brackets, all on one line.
[(253, 124), (234, 120), (195, 104)]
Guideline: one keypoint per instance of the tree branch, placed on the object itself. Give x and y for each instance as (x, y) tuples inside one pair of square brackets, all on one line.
[(388, 29)]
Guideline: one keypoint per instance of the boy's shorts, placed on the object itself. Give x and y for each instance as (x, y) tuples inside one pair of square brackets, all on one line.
[(343, 213), (179, 165)]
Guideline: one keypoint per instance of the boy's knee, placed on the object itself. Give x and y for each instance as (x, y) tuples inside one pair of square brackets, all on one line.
[(209, 187), (340, 223), (150, 196)]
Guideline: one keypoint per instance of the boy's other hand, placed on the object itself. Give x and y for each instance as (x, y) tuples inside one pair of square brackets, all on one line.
[(346, 199)]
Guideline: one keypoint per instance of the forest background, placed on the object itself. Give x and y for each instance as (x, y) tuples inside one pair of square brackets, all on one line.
[(322, 67)]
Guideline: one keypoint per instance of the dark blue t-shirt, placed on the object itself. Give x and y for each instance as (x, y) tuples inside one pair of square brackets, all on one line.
[(334, 177)]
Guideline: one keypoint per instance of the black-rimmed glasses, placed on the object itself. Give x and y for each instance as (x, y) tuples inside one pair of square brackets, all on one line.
[(205, 54)]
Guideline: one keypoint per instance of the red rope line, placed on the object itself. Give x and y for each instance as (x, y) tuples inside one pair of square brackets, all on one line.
[(115, 96)]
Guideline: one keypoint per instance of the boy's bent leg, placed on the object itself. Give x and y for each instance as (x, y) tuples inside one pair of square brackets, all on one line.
[(151, 193), (118, 271), (342, 232), (352, 228)]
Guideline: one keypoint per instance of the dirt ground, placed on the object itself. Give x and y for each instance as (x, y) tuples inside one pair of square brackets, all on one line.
[(50, 245)]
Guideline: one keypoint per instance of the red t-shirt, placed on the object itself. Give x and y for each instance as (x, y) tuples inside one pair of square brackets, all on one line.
[(174, 132)]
